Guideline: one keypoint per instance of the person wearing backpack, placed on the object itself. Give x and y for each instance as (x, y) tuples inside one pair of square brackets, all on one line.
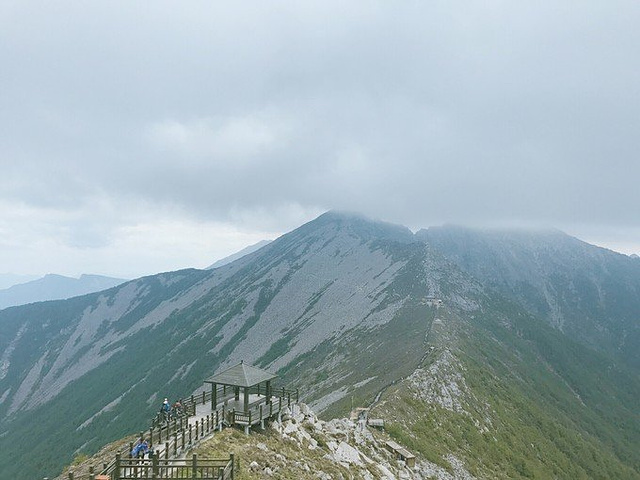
[(166, 410)]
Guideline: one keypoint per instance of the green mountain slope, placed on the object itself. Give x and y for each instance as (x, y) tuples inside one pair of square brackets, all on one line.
[(102, 362), (342, 308), (513, 398), (590, 293)]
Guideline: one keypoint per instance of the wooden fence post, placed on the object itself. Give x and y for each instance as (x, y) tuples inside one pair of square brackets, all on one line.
[(92, 475), (154, 466), (151, 436), (70, 475), (166, 450), (194, 466), (175, 443), (117, 466), (297, 396), (190, 434), (233, 464)]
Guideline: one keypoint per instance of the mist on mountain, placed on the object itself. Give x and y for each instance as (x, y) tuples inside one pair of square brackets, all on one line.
[(471, 345)]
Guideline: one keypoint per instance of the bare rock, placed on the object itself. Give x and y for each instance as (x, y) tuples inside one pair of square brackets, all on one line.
[(345, 453)]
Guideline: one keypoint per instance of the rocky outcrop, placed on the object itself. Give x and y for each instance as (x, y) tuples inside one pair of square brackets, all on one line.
[(354, 447)]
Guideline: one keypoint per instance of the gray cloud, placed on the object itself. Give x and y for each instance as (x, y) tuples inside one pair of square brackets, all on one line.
[(417, 112)]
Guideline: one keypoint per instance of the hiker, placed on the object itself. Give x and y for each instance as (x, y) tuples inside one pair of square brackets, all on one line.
[(140, 449), (166, 409), (177, 408)]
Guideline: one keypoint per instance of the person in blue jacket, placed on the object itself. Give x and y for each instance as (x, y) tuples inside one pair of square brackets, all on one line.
[(140, 449), (166, 409)]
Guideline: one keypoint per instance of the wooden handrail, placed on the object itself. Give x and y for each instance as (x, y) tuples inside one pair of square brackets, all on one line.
[(207, 469), (178, 434)]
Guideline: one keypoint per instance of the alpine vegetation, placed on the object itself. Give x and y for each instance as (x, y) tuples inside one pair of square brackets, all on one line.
[(484, 354)]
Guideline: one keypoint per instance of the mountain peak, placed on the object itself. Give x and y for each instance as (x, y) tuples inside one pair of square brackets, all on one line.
[(362, 226)]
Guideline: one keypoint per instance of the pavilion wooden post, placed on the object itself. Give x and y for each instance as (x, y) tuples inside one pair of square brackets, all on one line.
[(248, 378)]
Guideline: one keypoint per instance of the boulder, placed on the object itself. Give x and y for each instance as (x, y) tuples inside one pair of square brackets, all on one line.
[(289, 428), (306, 411), (345, 453)]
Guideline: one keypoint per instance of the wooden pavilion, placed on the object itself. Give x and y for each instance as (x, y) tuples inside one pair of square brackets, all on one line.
[(241, 376)]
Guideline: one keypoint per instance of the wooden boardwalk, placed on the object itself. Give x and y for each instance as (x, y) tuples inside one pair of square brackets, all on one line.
[(171, 441), (173, 469)]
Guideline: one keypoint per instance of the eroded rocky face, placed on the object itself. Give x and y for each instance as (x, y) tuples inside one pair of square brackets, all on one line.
[(343, 308)]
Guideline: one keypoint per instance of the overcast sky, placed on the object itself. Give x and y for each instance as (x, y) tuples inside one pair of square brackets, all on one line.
[(139, 137)]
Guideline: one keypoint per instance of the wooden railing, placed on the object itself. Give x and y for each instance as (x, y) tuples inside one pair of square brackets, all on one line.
[(209, 469), (171, 439), (257, 412), (224, 394), (179, 435)]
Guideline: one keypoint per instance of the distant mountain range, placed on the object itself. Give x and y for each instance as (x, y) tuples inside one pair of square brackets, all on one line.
[(514, 354), (55, 287), (236, 256), (9, 279)]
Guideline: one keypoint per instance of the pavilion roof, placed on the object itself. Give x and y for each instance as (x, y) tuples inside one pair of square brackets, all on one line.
[(241, 375)]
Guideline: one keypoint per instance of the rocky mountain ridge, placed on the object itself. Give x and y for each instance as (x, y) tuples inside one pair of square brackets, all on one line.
[(54, 287), (301, 445), (343, 308), (590, 293), (238, 255)]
